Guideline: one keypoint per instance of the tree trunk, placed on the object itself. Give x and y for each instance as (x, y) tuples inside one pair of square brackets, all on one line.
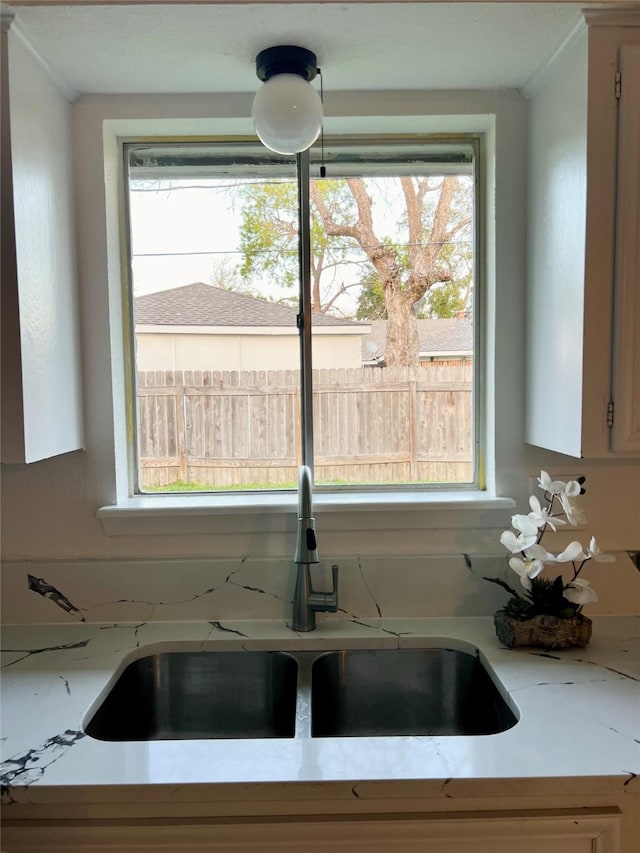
[(317, 264), (403, 345), (401, 292)]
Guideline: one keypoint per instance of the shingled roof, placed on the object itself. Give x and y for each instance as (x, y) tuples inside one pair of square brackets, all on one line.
[(436, 337), (205, 305)]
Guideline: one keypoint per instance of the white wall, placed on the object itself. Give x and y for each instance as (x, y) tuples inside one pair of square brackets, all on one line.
[(164, 351), (49, 509)]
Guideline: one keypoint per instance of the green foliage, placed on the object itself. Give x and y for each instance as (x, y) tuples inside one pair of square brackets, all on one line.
[(519, 608), (444, 301), (181, 486), (391, 237), (371, 302), (178, 486), (544, 598), (269, 230)]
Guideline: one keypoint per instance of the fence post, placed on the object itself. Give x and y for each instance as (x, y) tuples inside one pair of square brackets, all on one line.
[(413, 424), (181, 427)]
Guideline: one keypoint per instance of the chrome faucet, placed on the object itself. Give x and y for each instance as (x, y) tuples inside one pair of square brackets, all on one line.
[(306, 601)]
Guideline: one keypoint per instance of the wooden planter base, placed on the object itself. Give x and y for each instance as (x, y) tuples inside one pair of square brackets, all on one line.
[(547, 632)]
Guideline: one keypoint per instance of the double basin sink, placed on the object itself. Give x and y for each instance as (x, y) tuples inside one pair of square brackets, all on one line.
[(185, 694)]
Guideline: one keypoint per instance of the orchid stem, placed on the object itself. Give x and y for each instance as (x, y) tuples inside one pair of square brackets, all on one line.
[(577, 571), (504, 585)]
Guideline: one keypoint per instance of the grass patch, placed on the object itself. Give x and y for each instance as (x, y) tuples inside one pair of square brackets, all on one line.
[(180, 486)]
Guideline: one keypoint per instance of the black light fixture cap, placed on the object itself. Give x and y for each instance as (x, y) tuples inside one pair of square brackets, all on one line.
[(286, 59)]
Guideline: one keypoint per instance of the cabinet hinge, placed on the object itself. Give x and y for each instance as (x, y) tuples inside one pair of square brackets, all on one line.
[(618, 84), (610, 413)]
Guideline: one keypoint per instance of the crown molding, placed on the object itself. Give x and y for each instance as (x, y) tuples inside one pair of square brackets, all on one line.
[(613, 15), (69, 92), (536, 81)]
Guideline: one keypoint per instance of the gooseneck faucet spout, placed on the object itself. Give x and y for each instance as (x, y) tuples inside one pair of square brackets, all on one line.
[(306, 544), (306, 601)]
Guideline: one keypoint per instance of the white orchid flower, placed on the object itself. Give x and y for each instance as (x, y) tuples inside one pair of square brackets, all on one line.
[(553, 487), (527, 569), (572, 552), (579, 592), (558, 487), (572, 489), (574, 514), (521, 568), (527, 534), (524, 525), (538, 552), (514, 543), (594, 553), (539, 515), (531, 566)]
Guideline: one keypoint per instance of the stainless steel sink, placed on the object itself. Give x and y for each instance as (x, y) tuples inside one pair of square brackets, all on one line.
[(272, 694), (180, 695), (387, 692)]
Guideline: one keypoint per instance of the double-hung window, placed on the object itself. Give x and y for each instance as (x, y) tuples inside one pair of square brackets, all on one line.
[(216, 314)]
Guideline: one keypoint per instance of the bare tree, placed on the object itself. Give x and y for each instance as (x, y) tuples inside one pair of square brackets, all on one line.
[(402, 287), (435, 211)]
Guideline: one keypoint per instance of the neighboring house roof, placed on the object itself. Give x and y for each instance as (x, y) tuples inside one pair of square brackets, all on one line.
[(205, 305), (437, 337)]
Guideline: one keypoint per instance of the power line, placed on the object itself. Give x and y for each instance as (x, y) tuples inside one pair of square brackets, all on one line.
[(210, 187), (295, 251)]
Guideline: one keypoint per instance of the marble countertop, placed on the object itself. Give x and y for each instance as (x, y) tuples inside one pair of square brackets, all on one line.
[(579, 711)]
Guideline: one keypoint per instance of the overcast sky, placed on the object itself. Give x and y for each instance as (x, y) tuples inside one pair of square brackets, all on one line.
[(177, 235)]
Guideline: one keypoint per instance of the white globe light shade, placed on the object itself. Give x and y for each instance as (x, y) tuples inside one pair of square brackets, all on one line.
[(287, 114)]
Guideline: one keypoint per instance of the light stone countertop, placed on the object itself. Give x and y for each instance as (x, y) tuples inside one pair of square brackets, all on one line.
[(579, 713)]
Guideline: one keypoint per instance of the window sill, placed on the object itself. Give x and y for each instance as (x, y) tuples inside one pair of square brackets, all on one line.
[(274, 513)]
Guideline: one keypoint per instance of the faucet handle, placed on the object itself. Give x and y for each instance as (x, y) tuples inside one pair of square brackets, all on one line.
[(331, 597), (312, 542), (334, 581), (326, 601)]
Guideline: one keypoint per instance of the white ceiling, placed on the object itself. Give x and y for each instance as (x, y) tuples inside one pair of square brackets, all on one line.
[(361, 46)]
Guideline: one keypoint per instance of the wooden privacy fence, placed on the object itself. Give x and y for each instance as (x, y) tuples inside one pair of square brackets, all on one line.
[(371, 425)]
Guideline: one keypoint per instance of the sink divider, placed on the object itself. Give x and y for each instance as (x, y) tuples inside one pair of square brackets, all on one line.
[(303, 697)]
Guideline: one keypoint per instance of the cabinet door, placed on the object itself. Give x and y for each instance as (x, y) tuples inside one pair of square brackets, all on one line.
[(626, 344), (41, 372), (598, 833)]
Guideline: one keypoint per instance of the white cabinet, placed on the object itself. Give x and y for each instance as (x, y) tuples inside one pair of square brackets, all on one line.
[(526, 832), (583, 357), (41, 372), (626, 372)]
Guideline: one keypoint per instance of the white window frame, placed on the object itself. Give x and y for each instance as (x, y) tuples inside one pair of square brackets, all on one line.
[(499, 116), (395, 148)]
